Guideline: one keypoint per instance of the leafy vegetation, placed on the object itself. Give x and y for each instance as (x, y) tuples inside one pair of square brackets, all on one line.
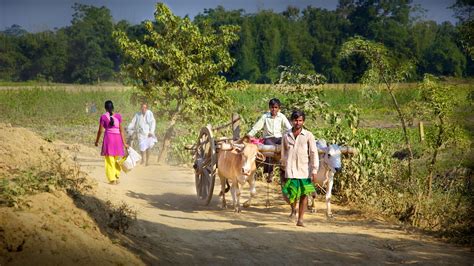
[(85, 52), (58, 177), (177, 68)]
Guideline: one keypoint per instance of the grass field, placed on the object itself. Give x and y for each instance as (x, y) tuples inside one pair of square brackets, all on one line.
[(54, 109)]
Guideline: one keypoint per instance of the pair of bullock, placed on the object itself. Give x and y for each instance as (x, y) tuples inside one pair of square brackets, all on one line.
[(237, 166)]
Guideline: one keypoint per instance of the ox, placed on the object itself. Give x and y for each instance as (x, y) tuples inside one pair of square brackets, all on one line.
[(329, 164), (237, 166)]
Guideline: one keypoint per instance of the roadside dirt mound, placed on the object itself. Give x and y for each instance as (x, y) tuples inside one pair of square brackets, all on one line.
[(21, 149), (53, 231), (50, 227)]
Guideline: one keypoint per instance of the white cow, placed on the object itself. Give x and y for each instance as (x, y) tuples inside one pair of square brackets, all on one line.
[(237, 167), (329, 164)]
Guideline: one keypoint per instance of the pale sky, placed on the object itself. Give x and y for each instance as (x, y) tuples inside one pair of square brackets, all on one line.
[(40, 15)]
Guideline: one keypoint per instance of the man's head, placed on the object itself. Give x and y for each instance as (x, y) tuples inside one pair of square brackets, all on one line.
[(297, 118), (274, 106), (144, 108)]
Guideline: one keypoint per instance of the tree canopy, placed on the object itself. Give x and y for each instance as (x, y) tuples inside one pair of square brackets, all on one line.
[(310, 38), (177, 65)]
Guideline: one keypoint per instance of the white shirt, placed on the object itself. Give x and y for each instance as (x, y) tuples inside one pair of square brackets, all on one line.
[(143, 124), (272, 126), (299, 156)]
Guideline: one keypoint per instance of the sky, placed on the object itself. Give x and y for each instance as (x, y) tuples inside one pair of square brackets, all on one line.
[(40, 15)]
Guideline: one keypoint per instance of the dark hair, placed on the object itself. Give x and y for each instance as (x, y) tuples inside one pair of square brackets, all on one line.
[(296, 114), (109, 107), (273, 102)]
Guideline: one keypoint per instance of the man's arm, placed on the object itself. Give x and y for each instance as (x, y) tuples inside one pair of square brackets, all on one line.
[(257, 126), (283, 152), (313, 155), (286, 123), (152, 123)]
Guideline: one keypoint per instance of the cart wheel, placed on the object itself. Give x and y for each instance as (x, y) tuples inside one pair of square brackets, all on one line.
[(205, 165)]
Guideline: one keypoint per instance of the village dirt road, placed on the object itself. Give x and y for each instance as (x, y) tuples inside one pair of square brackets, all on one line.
[(172, 228)]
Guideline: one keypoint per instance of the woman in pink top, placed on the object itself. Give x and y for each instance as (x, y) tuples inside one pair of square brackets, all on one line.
[(113, 143)]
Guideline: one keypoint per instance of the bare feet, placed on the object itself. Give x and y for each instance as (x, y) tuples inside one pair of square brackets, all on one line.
[(292, 215), (300, 223)]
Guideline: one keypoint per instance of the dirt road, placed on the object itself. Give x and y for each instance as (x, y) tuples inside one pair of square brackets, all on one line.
[(173, 228)]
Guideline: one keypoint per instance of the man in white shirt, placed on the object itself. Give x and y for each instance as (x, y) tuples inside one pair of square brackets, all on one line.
[(143, 123), (274, 124)]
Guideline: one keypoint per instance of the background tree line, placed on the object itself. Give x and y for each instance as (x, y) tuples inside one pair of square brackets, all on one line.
[(85, 51)]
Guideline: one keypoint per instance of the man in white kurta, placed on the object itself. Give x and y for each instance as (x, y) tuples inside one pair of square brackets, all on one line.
[(143, 123)]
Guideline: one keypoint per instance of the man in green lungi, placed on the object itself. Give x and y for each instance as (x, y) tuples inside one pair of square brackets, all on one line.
[(299, 158)]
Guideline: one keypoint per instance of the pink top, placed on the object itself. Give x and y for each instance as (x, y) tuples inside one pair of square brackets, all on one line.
[(105, 120), (112, 144)]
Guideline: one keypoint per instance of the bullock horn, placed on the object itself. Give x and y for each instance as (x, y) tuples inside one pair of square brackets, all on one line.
[(348, 150), (261, 156)]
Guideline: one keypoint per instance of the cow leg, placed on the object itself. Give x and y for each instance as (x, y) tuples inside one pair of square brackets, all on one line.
[(224, 204), (234, 190), (238, 209), (311, 206), (253, 192), (328, 195)]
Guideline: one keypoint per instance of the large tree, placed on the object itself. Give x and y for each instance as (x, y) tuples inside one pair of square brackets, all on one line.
[(178, 67), (92, 50)]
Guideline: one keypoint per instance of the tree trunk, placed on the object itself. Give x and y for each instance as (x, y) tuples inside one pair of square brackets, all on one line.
[(405, 133), (167, 139), (439, 142)]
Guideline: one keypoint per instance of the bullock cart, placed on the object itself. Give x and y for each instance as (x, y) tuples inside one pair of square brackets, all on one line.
[(205, 152)]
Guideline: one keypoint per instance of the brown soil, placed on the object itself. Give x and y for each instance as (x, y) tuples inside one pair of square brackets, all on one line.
[(51, 228), (173, 228)]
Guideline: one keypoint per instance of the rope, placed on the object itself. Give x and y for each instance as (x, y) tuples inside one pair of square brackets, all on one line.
[(273, 164)]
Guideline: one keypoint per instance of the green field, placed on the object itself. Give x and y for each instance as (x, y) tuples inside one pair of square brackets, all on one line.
[(59, 111)]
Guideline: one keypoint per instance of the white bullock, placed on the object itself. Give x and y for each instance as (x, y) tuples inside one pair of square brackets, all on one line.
[(238, 167), (329, 164)]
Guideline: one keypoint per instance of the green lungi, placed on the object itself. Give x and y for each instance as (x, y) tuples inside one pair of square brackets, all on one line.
[(294, 188)]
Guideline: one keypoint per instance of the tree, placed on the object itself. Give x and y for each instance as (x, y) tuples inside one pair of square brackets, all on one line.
[(269, 44), (383, 69), (440, 103), (443, 57), (15, 30), (178, 67), (47, 55), (247, 64), (327, 34), (464, 10), (92, 51)]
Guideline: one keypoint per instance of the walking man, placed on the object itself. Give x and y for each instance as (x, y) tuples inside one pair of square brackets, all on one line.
[(299, 158), (143, 123)]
